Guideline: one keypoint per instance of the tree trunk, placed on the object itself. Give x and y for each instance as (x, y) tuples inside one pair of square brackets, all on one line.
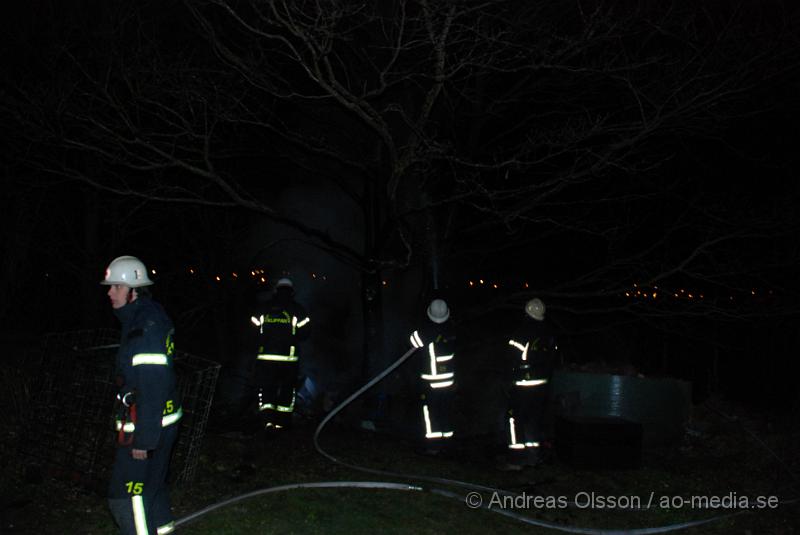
[(371, 289)]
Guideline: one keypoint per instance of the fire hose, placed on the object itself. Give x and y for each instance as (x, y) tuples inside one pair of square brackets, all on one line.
[(435, 490)]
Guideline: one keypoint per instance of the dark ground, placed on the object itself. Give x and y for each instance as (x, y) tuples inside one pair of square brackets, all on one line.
[(727, 451)]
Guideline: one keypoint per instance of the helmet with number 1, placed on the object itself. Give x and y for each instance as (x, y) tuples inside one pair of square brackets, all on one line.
[(438, 311), (127, 270), (535, 309)]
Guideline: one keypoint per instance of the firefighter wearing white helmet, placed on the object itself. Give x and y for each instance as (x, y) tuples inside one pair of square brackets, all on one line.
[(148, 409), (435, 340), (128, 271), (438, 311), (530, 355), (535, 309), (284, 283), (278, 325)]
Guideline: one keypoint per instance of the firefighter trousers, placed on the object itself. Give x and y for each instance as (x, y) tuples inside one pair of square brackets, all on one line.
[(138, 495), (436, 412), (277, 383), (525, 421)]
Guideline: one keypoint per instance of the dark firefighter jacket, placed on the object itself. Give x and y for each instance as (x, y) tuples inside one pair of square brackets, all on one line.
[(435, 363), (531, 353), (145, 369), (279, 324)]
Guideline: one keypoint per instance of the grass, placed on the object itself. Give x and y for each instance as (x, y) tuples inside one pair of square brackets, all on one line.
[(722, 460)]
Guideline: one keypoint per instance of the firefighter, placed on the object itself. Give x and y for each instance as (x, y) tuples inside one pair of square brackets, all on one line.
[(531, 355), (148, 407), (279, 325), (436, 340)]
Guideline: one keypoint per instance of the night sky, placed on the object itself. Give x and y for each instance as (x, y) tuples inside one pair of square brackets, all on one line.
[(612, 160)]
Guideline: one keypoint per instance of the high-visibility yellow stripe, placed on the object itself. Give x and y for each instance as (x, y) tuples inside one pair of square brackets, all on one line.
[(513, 444), (303, 323), (430, 433), (166, 421), (170, 419), (166, 528), (531, 382), (427, 416), (523, 348), (439, 434), (139, 517), (149, 358), (516, 344), (437, 377), (278, 408), (277, 358), (128, 427), (275, 407), (416, 341)]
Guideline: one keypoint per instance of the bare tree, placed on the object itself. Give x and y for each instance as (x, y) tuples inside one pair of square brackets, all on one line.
[(448, 122)]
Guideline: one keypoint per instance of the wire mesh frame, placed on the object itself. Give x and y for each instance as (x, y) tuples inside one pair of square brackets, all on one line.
[(70, 407), (68, 432), (196, 384)]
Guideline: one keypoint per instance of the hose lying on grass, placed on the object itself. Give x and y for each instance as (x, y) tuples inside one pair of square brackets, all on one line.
[(433, 490)]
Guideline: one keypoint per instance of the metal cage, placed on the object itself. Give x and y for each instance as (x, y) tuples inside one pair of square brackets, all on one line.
[(68, 431)]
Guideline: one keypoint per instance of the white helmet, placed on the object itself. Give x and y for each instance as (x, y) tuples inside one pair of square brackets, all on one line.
[(284, 283), (127, 270), (535, 309), (438, 311)]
